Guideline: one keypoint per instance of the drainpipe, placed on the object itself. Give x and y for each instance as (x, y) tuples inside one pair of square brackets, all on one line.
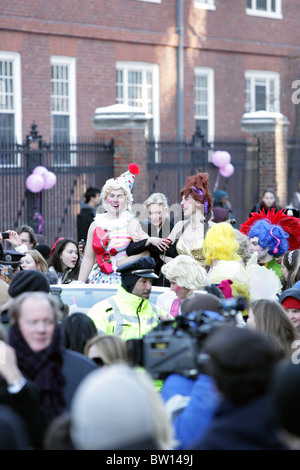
[(180, 82)]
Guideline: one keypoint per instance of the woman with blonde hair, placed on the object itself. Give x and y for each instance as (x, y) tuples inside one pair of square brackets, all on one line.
[(159, 223), (219, 244), (270, 318), (106, 349), (35, 261)]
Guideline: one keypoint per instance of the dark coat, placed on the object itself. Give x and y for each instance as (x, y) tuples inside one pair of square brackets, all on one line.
[(241, 427), (26, 403), (84, 220), (75, 368)]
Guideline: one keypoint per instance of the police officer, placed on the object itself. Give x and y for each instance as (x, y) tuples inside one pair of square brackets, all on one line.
[(129, 313)]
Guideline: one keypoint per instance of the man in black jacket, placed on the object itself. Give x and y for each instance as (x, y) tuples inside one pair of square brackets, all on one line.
[(87, 212)]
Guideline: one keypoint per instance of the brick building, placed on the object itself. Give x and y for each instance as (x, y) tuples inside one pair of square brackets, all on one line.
[(183, 61)]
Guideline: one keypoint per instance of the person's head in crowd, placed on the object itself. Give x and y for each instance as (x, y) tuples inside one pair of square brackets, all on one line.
[(267, 240), (243, 242), (115, 197), (9, 264), (221, 198), (285, 404), (24, 281), (65, 259), (106, 349), (92, 196), (28, 281), (27, 236), (220, 243), (269, 199), (269, 317), (43, 249), (185, 275), (220, 214), (241, 362), (201, 302), (291, 268), (78, 329), (195, 195), (27, 312), (33, 260), (137, 276), (290, 301), (117, 407), (57, 435), (157, 208), (40, 239)]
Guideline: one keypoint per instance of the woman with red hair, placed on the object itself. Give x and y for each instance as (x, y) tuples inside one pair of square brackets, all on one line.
[(188, 234)]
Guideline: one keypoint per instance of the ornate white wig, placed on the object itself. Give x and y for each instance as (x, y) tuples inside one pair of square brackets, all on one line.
[(187, 272)]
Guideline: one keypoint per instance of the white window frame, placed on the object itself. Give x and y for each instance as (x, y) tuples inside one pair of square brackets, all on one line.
[(144, 67), (209, 73), (253, 11), (149, 1), (254, 75), (205, 5), (15, 58), (70, 62)]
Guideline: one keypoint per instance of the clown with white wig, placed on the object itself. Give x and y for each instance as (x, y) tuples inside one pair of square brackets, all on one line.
[(111, 231)]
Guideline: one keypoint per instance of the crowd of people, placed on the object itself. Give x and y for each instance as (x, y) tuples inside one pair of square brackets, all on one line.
[(221, 370)]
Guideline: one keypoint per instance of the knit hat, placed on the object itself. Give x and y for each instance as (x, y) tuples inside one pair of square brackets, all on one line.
[(291, 302), (290, 298), (111, 410), (220, 214), (43, 249), (28, 281)]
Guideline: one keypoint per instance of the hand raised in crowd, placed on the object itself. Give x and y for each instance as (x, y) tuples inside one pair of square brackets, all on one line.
[(8, 363), (14, 238), (161, 243)]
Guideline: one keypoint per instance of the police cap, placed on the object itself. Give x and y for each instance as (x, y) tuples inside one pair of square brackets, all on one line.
[(142, 267), (11, 257)]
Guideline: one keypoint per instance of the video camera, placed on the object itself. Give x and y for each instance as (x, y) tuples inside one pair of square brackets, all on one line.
[(176, 346)]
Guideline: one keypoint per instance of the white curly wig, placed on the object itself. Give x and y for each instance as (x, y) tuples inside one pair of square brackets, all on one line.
[(112, 185), (187, 272)]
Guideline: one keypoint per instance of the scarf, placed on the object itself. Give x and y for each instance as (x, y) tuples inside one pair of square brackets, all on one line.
[(175, 307), (43, 368)]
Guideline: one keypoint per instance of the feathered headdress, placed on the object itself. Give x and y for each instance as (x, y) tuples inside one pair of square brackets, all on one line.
[(289, 224)]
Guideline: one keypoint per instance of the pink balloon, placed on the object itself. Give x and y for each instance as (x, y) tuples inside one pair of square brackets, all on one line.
[(34, 183), (221, 158), (49, 180), (40, 170), (227, 170)]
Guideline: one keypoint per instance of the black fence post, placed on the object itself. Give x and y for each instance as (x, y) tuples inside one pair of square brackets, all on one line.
[(33, 151)]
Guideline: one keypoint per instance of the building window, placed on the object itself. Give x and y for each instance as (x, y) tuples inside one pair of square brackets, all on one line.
[(10, 97), (138, 85), (267, 8), (204, 101), (63, 99), (206, 4), (262, 91), (149, 1)]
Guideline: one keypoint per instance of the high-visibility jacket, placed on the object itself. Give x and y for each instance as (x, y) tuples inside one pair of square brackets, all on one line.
[(126, 315)]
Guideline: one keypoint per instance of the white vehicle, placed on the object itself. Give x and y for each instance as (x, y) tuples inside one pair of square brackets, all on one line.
[(81, 297)]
